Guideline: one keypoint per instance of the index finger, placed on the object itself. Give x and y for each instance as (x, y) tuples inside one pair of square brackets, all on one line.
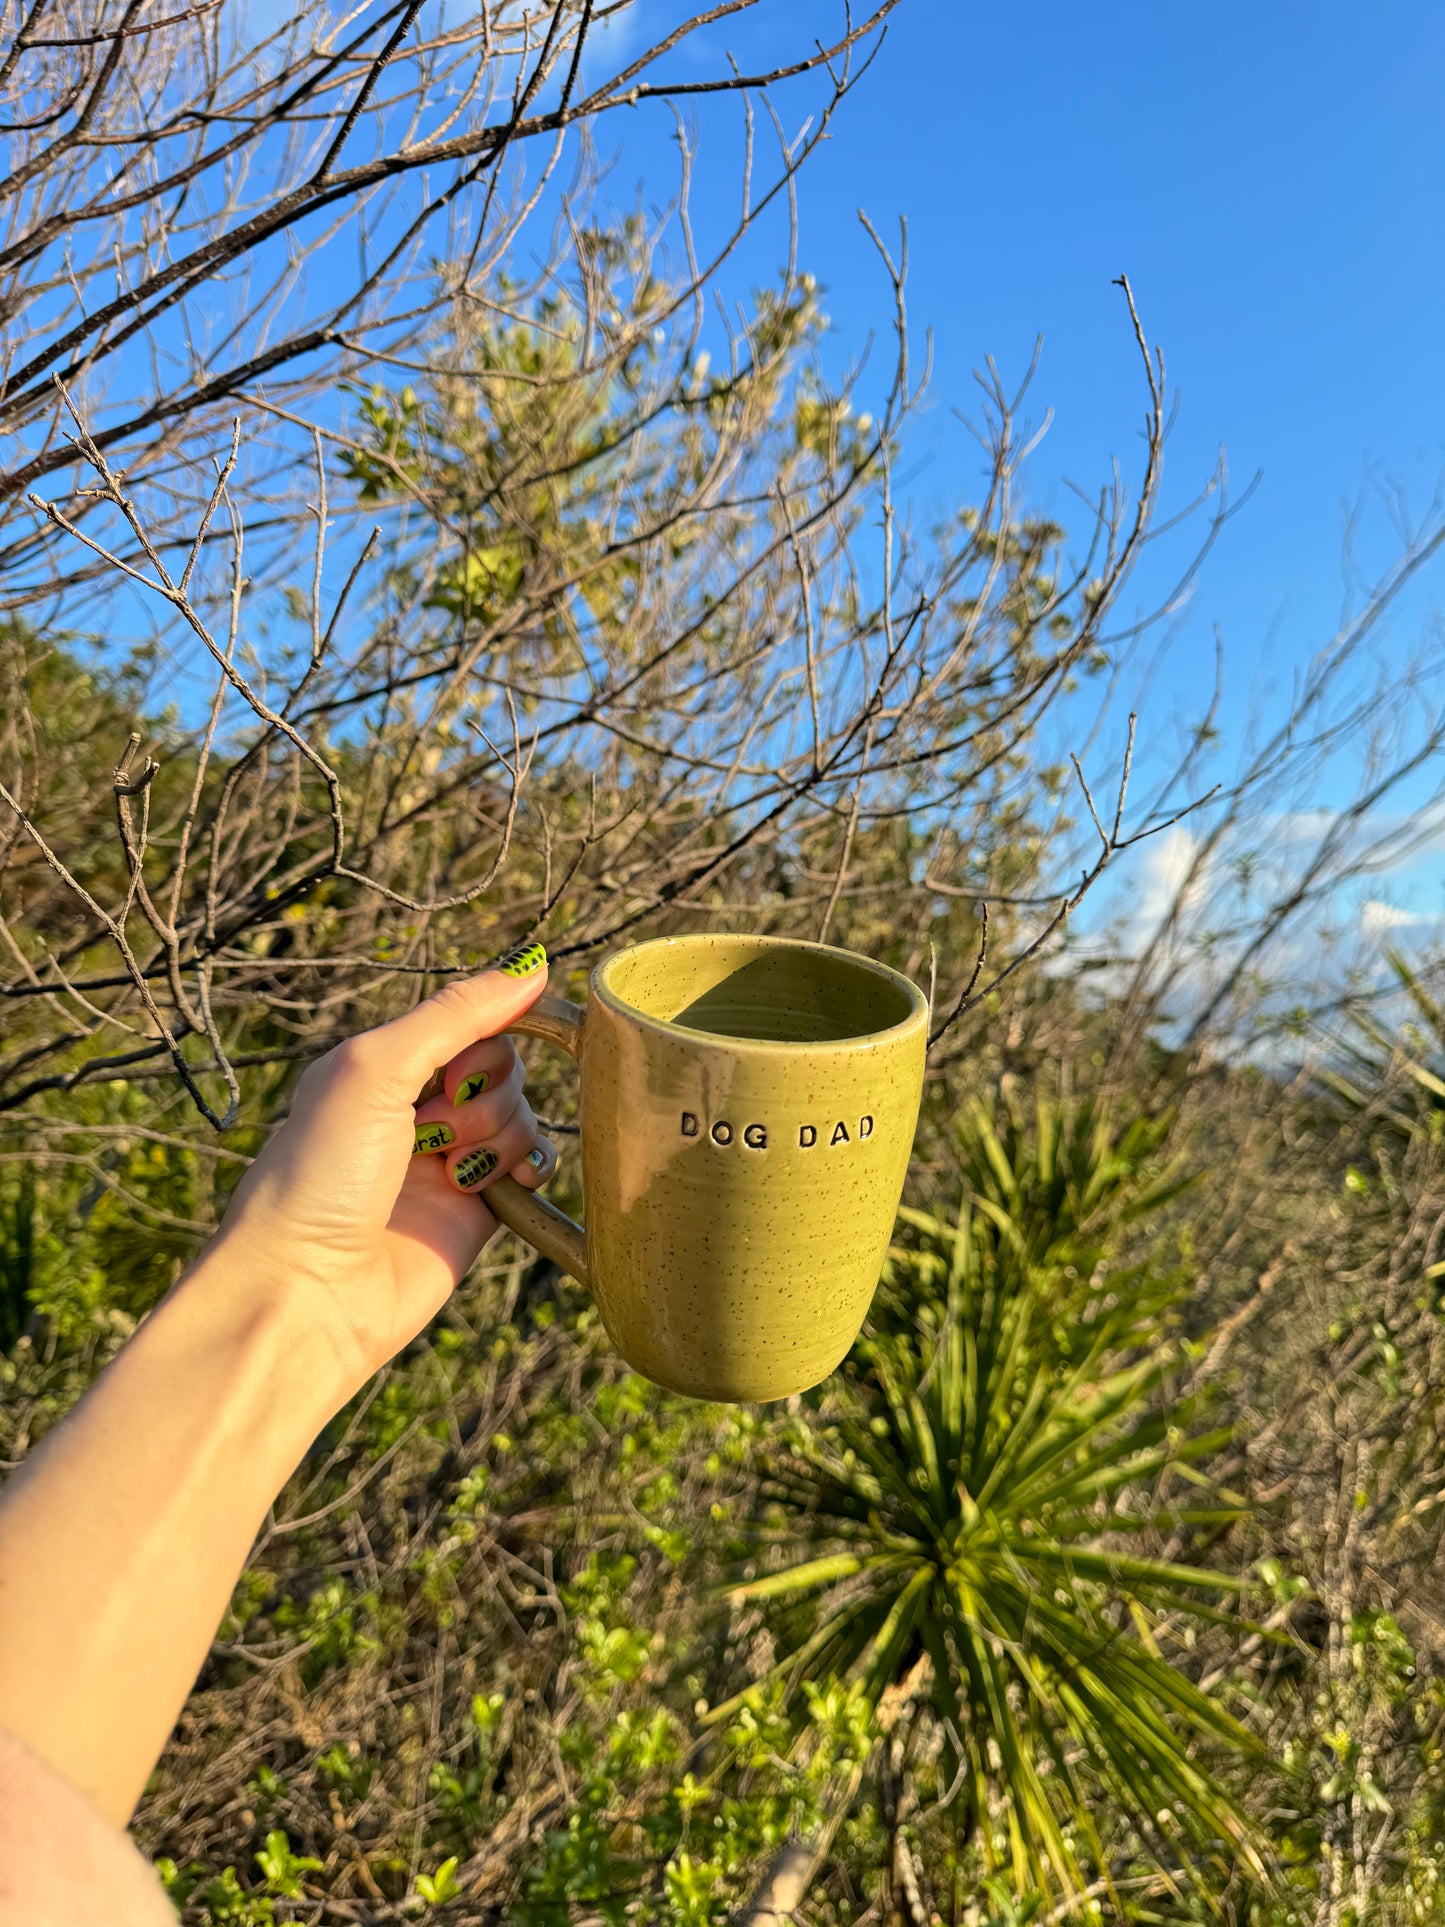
[(407, 1050)]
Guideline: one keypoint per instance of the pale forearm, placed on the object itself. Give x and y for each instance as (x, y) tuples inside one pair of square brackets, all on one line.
[(121, 1541)]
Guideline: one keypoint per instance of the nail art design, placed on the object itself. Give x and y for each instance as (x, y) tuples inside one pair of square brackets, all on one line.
[(476, 1165), (521, 961), (472, 1086), (536, 1157), (433, 1137)]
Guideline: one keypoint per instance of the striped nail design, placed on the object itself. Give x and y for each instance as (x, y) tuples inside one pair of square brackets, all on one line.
[(536, 1157), (521, 961), (472, 1086), (433, 1137), (476, 1165)]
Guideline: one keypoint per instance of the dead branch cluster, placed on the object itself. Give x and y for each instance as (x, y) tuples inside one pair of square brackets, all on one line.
[(494, 600), (636, 637)]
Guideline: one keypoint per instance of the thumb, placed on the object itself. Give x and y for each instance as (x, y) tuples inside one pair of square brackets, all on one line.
[(404, 1053)]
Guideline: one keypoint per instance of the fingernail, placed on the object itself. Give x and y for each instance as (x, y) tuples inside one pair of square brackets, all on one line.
[(521, 961), (476, 1165), (537, 1158), (433, 1137), (471, 1087)]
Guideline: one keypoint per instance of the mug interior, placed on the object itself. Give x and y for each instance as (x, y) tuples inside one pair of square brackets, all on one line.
[(768, 989)]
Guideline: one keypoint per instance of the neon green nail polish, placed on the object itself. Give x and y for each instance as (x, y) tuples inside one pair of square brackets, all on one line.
[(521, 961), (433, 1137), (471, 1087), (476, 1165)]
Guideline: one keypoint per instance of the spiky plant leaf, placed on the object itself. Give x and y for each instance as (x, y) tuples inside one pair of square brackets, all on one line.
[(1395, 1072), (975, 1486)]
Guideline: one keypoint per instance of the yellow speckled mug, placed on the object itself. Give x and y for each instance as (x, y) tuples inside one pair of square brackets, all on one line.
[(747, 1113)]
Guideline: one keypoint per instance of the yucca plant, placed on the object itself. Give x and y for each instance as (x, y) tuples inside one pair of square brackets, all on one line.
[(1387, 1079), (1396, 1072), (983, 1485)]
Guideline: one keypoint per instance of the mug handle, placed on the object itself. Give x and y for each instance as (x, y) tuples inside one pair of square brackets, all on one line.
[(530, 1215)]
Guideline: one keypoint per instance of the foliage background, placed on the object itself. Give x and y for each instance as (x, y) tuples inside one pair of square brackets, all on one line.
[(1101, 1579)]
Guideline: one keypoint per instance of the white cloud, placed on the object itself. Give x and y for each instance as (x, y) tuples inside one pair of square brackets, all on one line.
[(1414, 832), (1377, 918), (1164, 867), (1302, 826)]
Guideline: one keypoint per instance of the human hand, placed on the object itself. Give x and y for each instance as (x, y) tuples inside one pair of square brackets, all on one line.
[(365, 1208), (341, 1242)]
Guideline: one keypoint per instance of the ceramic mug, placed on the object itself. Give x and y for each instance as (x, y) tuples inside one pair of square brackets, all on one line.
[(748, 1107)]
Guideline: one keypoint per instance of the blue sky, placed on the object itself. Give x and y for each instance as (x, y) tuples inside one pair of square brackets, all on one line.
[(1267, 174)]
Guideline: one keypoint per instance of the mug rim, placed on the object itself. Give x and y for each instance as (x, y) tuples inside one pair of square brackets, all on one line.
[(867, 1040)]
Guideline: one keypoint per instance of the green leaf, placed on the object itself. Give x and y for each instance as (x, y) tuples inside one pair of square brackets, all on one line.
[(438, 1888), (984, 1484)]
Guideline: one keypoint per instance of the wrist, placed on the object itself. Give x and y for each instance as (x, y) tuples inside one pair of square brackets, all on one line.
[(189, 1434), (276, 1328)]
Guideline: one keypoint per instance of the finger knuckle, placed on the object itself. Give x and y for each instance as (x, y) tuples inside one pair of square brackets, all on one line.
[(316, 1073), (357, 1053), (325, 1071), (457, 999)]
